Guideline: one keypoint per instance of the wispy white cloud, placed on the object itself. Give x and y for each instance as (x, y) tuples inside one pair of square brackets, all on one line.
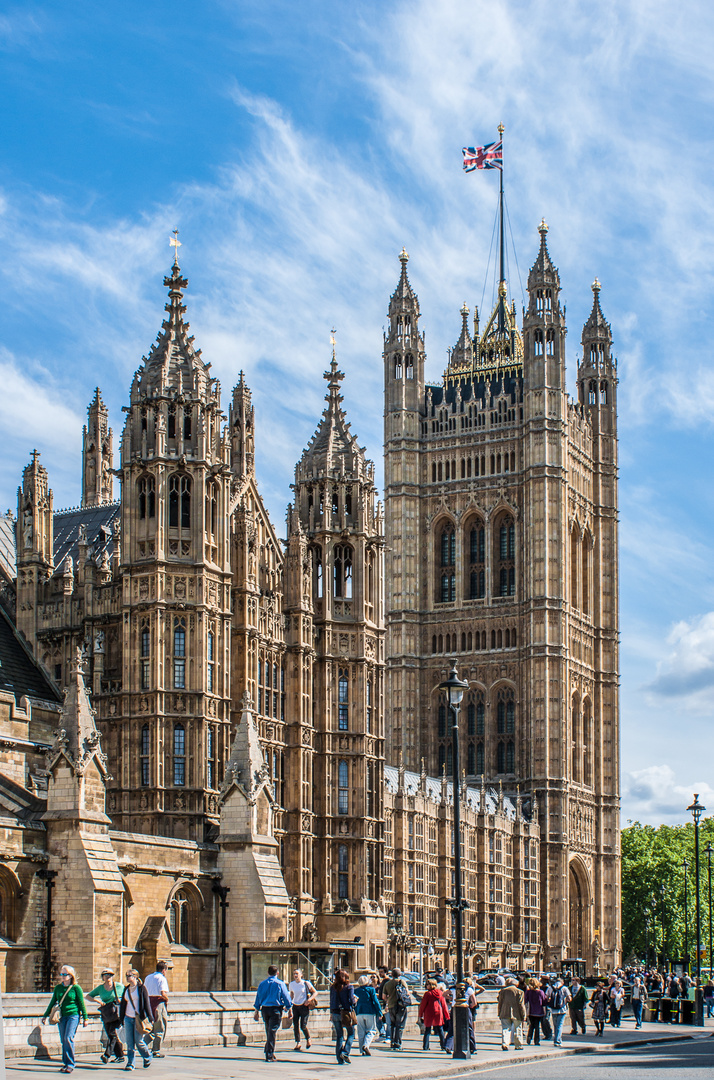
[(686, 674), (655, 795)]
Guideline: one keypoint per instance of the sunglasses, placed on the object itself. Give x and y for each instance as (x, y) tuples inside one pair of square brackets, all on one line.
[(65, 975)]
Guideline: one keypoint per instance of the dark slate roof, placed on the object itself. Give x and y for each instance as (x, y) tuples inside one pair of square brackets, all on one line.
[(23, 804), (20, 674), (98, 521), (8, 553)]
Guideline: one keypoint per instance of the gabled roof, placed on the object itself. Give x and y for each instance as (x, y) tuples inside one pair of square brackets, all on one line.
[(173, 363), (20, 674), (333, 448)]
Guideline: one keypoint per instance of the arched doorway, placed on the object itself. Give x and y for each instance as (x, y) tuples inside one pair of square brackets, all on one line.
[(578, 936)]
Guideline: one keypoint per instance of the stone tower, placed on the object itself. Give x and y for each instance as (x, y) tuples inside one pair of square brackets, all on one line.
[(334, 593), (501, 523), (35, 561), (168, 730), (97, 454)]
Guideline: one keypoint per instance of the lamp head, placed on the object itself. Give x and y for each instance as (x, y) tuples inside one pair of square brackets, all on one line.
[(696, 809), (454, 687)]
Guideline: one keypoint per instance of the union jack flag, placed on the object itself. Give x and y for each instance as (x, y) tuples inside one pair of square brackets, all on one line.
[(489, 156)]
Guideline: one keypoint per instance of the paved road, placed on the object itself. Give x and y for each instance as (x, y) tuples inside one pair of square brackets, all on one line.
[(693, 1059)]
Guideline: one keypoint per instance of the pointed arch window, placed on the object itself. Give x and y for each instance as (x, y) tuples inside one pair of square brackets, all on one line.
[(538, 342), (409, 366), (342, 572), (210, 757), (179, 657), (505, 713), (179, 502), (446, 546), (539, 301), (212, 509), (471, 760), (145, 657), (317, 579), (179, 755), (398, 366), (145, 747), (479, 759), (210, 661), (147, 497), (477, 555), (342, 872), (343, 788), (505, 543), (182, 918), (343, 706), (549, 342), (585, 592)]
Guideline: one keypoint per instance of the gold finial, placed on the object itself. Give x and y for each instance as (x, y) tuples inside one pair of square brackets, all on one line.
[(332, 341), (501, 130), (543, 227), (465, 310), (502, 288), (175, 244), (404, 255), (596, 286)]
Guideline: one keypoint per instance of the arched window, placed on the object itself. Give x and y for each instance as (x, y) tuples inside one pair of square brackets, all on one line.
[(147, 497), (398, 366), (145, 658), (549, 342), (433, 643), (179, 502), (471, 760), (442, 721), (187, 423), (211, 509), (210, 661), (317, 576), (179, 755), (182, 918), (447, 563), (343, 706), (343, 788), (479, 759), (144, 761), (210, 758), (576, 740), (587, 743), (539, 302), (477, 555), (505, 546), (343, 890), (510, 756), (409, 366), (342, 575), (471, 717), (574, 567), (179, 659), (480, 715), (538, 342), (505, 712), (585, 592), (592, 393)]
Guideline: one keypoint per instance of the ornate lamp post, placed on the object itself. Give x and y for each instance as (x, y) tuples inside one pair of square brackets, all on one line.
[(661, 911), (696, 810), (454, 689), (709, 857)]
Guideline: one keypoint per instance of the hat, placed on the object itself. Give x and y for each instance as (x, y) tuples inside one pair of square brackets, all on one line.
[(107, 971)]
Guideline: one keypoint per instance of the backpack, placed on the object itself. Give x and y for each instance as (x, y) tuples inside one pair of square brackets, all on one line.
[(404, 998), (559, 999)]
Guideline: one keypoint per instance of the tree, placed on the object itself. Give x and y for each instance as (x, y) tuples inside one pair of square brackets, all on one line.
[(653, 889)]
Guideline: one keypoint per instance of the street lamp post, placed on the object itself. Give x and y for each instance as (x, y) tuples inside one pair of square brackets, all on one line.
[(661, 911), (709, 857), (696, 810), (685, 864), (454, 689)]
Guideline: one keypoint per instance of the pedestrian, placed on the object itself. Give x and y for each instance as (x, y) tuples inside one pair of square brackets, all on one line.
[(303, 994), (535, 1003), (65, 1008), (270, 1000), (386, 1028), (434, 1013), (109, 992), (137, 1017), (558, 1008), (398, 1000), (369, 1013), (511, 1013), (547, 988), (157, 987), (599, 1002), (638, 1000), (343, 1016), (576, 1006), (617, 1000)]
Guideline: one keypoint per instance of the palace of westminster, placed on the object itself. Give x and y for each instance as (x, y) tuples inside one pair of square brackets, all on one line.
[(197, 712)]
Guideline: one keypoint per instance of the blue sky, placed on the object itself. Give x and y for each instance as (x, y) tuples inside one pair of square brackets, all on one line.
[(297, 148)]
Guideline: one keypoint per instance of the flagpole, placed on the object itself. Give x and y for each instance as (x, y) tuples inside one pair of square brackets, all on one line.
[(502, 272)]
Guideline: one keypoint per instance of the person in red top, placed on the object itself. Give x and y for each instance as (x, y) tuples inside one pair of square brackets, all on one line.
[(434, 1012)]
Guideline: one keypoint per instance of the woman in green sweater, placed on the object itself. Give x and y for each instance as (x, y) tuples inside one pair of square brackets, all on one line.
[(68, 995)]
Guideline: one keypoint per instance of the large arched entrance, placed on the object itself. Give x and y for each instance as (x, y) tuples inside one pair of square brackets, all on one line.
[(579, 909)]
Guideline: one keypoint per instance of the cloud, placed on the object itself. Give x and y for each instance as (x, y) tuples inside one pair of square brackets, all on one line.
[(687, 673), (652, 796)]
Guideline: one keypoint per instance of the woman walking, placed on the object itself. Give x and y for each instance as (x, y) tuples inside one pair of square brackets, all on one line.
[(109, 993), (369, 1013), (342, 1014), (302, 993), (135, 1008), (617, 1000), (598, 1000), (434, 1013), (535, 1000), (67, 1004)]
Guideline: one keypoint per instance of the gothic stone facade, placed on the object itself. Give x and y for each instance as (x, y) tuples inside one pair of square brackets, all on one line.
[(501, 524)]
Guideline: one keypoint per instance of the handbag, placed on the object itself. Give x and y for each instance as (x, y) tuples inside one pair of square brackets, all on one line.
[(348, 1017), (109, 1011), (146, 1025), (56, 1010), (312, 1000)]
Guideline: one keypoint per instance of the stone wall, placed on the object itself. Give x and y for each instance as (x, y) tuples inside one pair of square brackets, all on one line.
[(195, 1020)]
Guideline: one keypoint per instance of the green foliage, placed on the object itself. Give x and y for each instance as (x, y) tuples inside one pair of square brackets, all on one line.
[(653, 889)]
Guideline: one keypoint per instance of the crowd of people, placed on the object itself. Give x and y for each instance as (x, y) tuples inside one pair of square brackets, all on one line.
[(133, 1015)]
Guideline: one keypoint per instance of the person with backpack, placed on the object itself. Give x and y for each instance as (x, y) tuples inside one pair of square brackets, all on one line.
[(398, 1000), (579, 999), (109, 993), (558, 1010)]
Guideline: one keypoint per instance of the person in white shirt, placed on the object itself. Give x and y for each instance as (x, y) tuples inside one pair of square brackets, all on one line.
[(301, 991), (158, 988)]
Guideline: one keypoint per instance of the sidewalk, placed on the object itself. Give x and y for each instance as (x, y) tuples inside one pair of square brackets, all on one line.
[(247, 1063)]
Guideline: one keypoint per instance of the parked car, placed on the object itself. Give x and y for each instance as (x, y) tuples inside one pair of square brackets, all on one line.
[(411, 978)]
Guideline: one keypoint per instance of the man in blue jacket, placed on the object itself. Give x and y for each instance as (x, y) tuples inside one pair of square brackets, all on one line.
[(272, 997)]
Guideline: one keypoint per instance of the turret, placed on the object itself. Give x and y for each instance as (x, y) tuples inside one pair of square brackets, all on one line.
[(35, 561), (97, 454), (403, 352), (544, 323), (597, 372), (241, 426)]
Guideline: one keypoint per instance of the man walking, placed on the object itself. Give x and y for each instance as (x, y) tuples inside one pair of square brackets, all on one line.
[(397, 999), (558, 1008), (576, 1006), (511, 1013), (270, 1001), (157, 987)]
